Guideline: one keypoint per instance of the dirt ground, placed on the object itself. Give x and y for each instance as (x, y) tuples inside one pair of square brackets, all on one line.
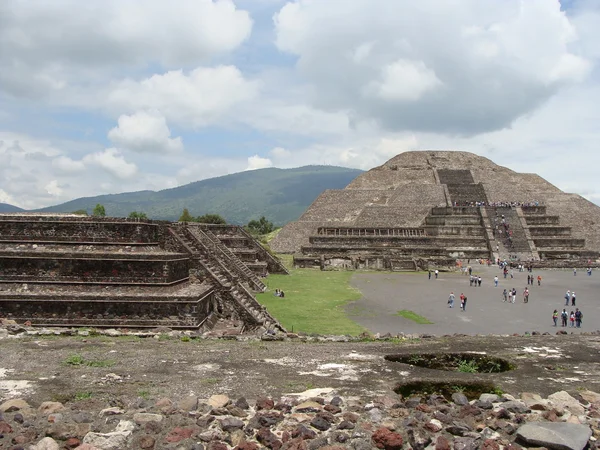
[(384, 294), (37, 369)]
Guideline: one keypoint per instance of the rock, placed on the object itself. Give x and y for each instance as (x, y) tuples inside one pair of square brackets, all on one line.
[(492, 398), (111, 411), (418, 439), (590, 397), (72, 443), (413, 402), (345, 425), (534, 401), (231, 424), (217, 445), (143, 418), (490, 444), (188, 404), (336, 401), (295, 444), (247, 446), (563, 400), (555, 436), (483, 404), (442, 443), (318, 443), (465, 443), (434, 425), (264, 403), (178, 434), (308, 407), (515, 407), (460, 399), (219, 401), (268, 439), (375, 415), (242, 403), (115, 440), (45, 444), (320, 423), (303, 432), (5, 428), (18, 418), (386, 439), (14, 405), (458, 429), (63, 431), (146, 442)]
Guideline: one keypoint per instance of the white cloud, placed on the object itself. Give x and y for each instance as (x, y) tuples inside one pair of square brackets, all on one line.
[(280, 153), (54, 189), (145, 132), (99, 37), (112, 161), (451, 67), (66, 165), (5, 197), (403, 80), (195, 99), (256, 162)]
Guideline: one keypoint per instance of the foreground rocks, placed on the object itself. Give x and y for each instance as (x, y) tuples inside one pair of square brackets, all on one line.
[(310, 420)]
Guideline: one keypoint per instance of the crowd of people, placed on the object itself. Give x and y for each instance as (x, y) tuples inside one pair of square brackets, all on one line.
[(574, 318), (499, 204)]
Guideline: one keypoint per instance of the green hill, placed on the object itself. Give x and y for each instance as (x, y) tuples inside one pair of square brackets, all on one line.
[(6, 208), (281, 195)]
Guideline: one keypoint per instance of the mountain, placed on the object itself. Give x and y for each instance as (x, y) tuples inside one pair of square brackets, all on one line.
[(6, 208), (281, 195)]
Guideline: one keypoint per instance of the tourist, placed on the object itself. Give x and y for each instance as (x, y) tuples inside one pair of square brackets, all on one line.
[(505, 295), (574, 271), (567, 298), (451, 300), (514, 295), (496, 281), (528, 279), (281, 294), (471, 280), (572, 319), (564, 317), (277, 294), (539, 279), (464, 303), (436, 273), (430, 274), (555, 317), (526, 295), (589, 271), (578, 318), (573, 298), (512, 274), (479, 281)]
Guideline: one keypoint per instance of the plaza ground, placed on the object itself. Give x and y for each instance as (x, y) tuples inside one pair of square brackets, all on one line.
[(384, 294)]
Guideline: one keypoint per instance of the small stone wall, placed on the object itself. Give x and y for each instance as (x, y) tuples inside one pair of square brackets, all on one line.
[(85, 231), (93, 270)]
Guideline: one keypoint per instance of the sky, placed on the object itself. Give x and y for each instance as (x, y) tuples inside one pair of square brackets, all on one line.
[(109, 96)]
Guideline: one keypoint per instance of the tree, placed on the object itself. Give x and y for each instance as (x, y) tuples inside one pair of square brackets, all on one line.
[(81, 212), (211, 218), (186, 216), (261, 226), (137, 215), (99, 211)]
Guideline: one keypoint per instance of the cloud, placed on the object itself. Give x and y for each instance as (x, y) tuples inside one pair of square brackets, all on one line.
[(145, 132), (468, 68), (196, 98), (54, 189), (280, 153), (99, 38), (256, 162), (67, 166), (5, 197), (113, 162)]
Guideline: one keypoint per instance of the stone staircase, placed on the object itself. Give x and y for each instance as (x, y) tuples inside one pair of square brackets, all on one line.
[(212, 242), (519, 246), (229, 282)]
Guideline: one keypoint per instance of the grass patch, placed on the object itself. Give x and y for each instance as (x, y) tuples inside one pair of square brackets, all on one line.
[(410, 315), (78, 360), (83, 395), (314, 300)]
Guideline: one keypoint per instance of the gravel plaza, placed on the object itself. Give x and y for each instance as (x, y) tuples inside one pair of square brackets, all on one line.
[(384, 294)]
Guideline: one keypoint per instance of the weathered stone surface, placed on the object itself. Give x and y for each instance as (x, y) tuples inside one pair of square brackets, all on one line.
[(46, 443), (218, 401), (14, 405), (460, 399), (231, 423), (386, 439), (564, 400), (555, 436), (115, 440), (143, 418), (308, 407)]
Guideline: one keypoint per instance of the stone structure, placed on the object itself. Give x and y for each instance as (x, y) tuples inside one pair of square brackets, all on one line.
[(77, 271), (419, 209)]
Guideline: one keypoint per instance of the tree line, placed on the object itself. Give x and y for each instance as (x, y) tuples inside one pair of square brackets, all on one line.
[(256, 227)]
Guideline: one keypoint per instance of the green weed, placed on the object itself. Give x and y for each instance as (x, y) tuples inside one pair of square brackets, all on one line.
[(410, 315)]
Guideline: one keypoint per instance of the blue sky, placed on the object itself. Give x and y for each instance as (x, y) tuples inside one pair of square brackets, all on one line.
[(120, 95)]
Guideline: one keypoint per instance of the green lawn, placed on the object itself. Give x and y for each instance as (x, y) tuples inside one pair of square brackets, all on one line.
[(314, 301), (410, 315)]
